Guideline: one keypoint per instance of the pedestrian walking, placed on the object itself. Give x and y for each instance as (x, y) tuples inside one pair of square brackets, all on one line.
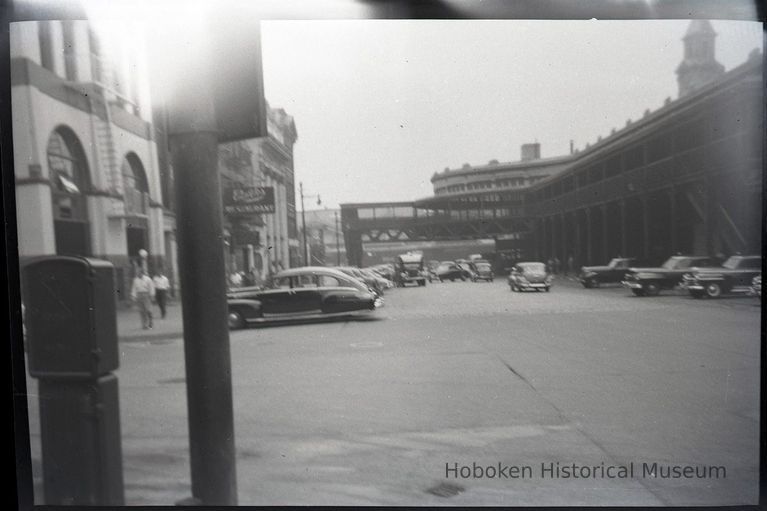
[(142, 293), (161, 288)]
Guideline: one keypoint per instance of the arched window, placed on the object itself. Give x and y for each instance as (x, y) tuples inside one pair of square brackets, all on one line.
[(135, 185), (69, 176), (69, 183)]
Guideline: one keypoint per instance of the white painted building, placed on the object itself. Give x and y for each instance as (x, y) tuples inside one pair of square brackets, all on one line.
[(87, 178)]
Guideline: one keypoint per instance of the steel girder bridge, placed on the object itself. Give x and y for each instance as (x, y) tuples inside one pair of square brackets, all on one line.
[(476, 216)]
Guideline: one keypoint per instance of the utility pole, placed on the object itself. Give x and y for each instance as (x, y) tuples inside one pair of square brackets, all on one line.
[(303, 218), (338, 245), (303, 222), (194, 151)]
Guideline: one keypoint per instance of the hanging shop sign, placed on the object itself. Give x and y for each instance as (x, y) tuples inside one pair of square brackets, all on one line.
[(249, 200)]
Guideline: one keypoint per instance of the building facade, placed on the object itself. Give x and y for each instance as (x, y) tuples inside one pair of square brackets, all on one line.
[(266, 242), (86, 172), (685, 178)]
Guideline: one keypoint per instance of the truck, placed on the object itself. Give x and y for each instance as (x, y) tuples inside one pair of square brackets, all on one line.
[(408, 268)]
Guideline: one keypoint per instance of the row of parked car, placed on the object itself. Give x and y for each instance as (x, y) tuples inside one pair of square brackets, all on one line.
[(462, 269), (699, 275), (308, 293)]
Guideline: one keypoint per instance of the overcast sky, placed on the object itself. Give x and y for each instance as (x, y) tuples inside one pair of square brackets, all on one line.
[(381, 105)]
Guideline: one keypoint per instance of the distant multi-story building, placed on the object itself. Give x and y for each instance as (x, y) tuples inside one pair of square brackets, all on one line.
[(263, 162), (495, 175), (87, 178)]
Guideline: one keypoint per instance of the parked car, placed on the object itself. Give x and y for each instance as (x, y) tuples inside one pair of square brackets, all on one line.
[(484, 271), (366, 279), (301, 294), (380, 283), (531, 275), (448, 270), (594, 276), (468, 269), (756, 287), (650, 281), (409, 268), (431, 270), (734, 276)]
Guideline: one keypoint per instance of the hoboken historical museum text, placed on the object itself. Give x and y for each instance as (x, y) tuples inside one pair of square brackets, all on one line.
[(560, 470)]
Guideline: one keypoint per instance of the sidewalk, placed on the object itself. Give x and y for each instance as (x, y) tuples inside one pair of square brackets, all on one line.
[(129, 324)]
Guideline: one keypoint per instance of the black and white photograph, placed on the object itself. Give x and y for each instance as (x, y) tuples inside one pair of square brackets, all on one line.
[(357, 253)]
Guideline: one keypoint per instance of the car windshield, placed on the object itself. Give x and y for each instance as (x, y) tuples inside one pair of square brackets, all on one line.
[(614, 263), (533, 267), (483, 266), (732, 263)]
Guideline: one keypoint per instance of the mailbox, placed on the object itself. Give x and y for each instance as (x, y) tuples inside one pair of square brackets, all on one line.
[(70, 317)]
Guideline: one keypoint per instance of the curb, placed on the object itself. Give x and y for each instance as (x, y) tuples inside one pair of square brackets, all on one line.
[(151, 337)]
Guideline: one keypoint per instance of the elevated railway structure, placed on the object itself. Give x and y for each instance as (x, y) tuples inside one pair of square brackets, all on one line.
[(687, 178)]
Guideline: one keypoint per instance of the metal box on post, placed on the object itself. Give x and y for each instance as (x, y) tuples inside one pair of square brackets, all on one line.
[(70, 317), (71, 324)]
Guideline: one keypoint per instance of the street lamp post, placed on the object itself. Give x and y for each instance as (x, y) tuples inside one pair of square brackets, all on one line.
[(303, 218)]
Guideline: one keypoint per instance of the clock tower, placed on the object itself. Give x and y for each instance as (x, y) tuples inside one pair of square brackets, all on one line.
[(699, 66)]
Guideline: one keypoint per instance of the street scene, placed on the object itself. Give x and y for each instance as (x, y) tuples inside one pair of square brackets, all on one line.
[(369, 412), (253, 269)]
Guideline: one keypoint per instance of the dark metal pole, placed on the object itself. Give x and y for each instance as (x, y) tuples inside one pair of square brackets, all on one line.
[(194, 149), (338, 245), (303, 222)]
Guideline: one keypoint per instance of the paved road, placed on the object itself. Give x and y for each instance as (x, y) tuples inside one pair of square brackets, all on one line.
[(373, 412)]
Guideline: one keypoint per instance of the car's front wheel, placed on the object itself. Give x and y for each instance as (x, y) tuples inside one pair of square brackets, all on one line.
[(651, 289), (713, 290), (235, 320), (638, 292)]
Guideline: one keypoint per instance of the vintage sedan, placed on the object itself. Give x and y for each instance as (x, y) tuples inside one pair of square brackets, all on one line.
[(484, 271), (530, 276), (468, 269), (734, 276), (370, 281), (448, 270), (650, 281), (594, 276), (302, 294)]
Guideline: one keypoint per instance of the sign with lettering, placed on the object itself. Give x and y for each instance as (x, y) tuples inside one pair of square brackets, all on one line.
[(249, 200)]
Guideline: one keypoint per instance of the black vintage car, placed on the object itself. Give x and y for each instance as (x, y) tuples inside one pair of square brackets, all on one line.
[(734, 276), (530, 276), (448, 270), (484, 271), (650, 281), (594, 276), (300, 294)]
